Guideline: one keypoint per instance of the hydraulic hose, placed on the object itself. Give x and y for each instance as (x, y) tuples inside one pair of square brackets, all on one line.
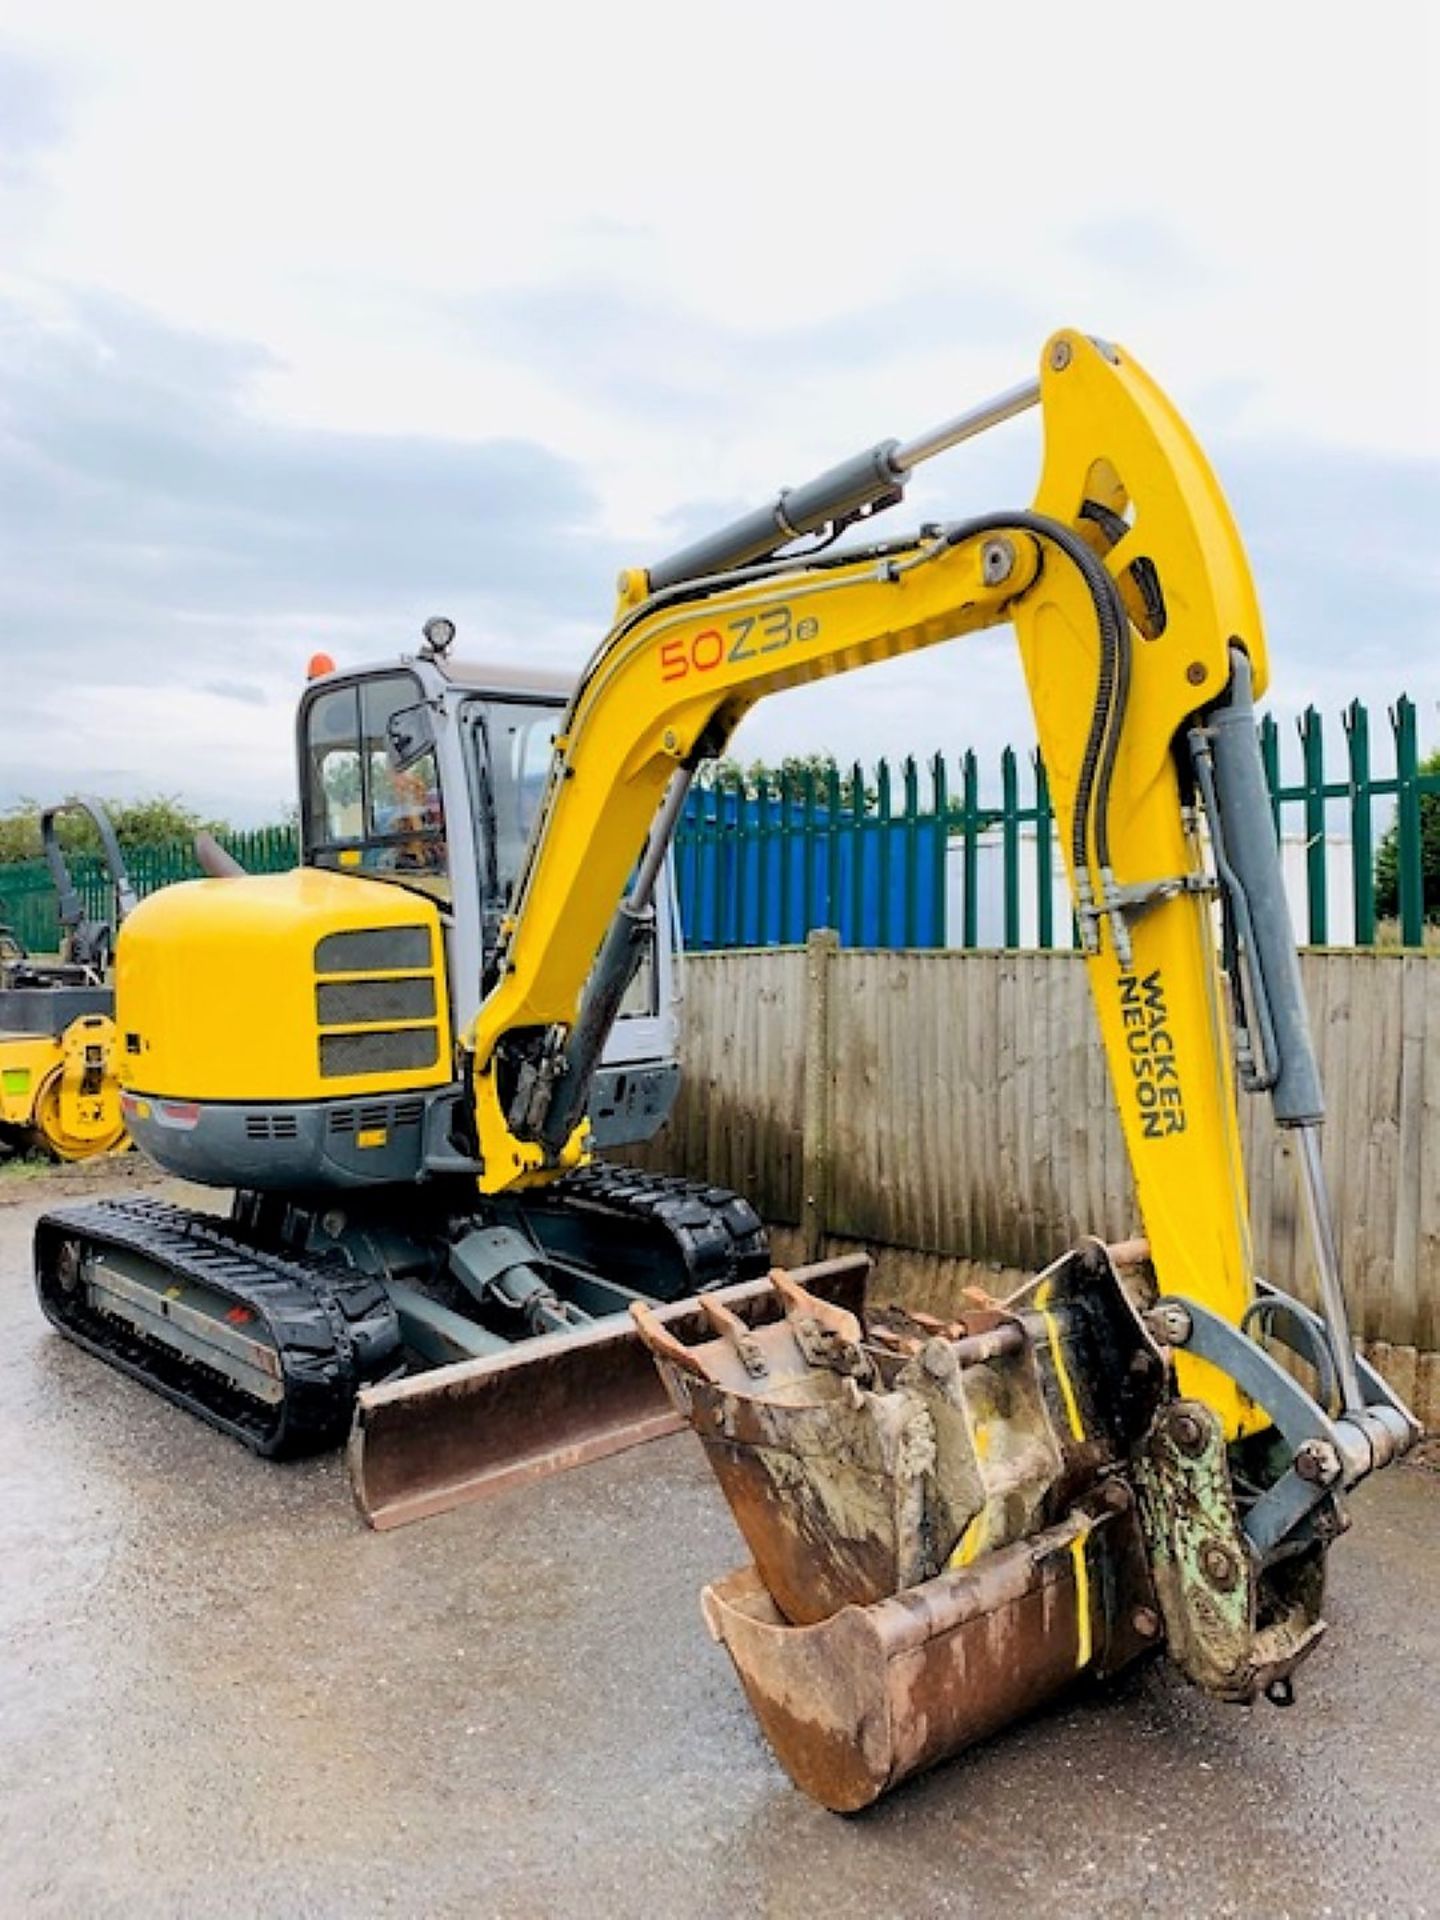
[(567, 1095), (1091, 825), (1112, 690)]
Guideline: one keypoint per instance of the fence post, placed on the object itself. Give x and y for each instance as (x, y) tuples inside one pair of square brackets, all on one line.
[(1312, 742), (833, 905), (1044, 857), (1270, 756), (883, 853), (739, 844), (821, 948), (1409, 840), (807, 843), (1362, 842), (1010, 839), (911, 906), (857, 831), (940, 809), (787, 847), (760, 896), (970, 827)]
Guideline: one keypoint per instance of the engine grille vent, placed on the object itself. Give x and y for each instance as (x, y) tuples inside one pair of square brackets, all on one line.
[(349, 1003), (271, 1126), (406, 1049), (395, 1115), (377, 1006), (373, 950)]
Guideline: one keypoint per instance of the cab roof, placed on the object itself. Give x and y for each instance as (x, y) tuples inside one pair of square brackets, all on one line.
[(471, 676), (490, 676)]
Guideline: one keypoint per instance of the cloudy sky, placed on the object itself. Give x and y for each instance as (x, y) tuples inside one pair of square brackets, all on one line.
[(318, 319)]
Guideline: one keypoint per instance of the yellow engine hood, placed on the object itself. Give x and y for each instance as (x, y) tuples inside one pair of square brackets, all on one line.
[(280, 987)]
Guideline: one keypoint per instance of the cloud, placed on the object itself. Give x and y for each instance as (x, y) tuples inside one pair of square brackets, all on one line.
[(1343, 552), (1140, 245), (653, 358), (137, 485), (32, 118), (155, 532), (169, 556), (1343, 549), (248, 696), (130, 456)]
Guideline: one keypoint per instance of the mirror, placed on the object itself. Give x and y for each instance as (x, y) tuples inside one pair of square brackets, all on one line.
[(409, 736)]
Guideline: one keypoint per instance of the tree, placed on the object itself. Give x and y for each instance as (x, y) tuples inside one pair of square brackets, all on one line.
[(158, 821), (789, 778), (1387, 857)]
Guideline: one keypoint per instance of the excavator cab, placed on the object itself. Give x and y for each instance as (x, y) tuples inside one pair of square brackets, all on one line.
[(428, 774)]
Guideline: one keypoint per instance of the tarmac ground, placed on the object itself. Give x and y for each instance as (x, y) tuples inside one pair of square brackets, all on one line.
[(221, 1695)]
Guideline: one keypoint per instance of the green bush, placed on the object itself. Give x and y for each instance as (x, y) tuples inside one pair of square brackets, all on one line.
[(1387, 857)]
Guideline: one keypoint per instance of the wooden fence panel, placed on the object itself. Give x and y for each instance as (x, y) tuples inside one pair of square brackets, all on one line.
[(968, 1117), (970, 1114), (738, 1119)]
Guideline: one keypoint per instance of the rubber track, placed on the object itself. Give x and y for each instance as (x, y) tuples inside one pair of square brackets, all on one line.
[(716, 1233), (335, 1330)]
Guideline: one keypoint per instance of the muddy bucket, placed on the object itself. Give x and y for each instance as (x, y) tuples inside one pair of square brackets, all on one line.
[(857, 1703)]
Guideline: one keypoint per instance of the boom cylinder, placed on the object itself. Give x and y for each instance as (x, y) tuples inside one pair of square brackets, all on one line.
[(860, 485), (843, 493)]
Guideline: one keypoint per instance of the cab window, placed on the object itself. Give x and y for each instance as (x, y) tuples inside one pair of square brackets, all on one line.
[(365, 813), (512, 747), (512, 744)]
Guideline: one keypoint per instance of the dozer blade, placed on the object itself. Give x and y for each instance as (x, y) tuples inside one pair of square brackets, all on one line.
[(461, 1433)]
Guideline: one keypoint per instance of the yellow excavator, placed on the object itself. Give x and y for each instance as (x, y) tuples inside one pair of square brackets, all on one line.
[(58, 1092), (397, 1057)]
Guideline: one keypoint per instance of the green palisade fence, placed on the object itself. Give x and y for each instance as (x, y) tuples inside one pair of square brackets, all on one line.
[(27, 894), (945, 853)]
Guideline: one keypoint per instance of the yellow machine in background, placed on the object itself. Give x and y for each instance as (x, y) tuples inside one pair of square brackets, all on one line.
[(946, 1525), (58, 1092)]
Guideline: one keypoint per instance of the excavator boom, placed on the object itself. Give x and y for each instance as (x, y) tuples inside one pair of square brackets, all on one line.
[(1126, 506), (948, 1523)]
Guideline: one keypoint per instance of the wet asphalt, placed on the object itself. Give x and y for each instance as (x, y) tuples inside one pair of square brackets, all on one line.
[(221, 1695)]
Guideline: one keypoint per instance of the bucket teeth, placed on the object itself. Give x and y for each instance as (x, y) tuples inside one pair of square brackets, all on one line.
[(734, 1331), (800, 1303), (951, 1519), (659, 1340), (856, 1468), (812, 1333)]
